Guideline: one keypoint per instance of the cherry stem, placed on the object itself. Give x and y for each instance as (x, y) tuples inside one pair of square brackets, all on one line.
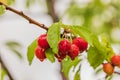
[(20, 13)]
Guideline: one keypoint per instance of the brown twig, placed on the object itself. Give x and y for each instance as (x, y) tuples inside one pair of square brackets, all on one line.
[(6, 69), (51, 10), (117, 73), (20, 13)]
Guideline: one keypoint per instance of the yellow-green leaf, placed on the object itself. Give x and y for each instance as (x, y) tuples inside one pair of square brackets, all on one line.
[(53, 37), (109, 49), (30, 52), (50, 55), (67, 63), (95, 57)]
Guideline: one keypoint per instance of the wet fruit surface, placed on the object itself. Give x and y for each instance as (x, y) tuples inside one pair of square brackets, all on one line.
[(42, 41), (81, 43), (40, 53)]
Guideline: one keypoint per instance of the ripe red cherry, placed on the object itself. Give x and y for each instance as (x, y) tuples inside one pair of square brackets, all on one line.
[(64, 46), (116, 60), (74, 50), (81, 43), (60, 57), (40, 53), (42, 41), (108, 68)]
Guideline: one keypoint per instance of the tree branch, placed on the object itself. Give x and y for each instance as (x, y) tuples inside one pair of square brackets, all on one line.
[(7, 71), (20, 13), (51, 10)]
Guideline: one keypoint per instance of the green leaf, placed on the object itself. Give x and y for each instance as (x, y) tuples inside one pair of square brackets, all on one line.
[(67, 64), (30, 52), (96, 53), (95, 57), (109, 49), (50, 55), (3, 73), (2, 9), (98, 45), (53, 37), (77, 75), (83, 32)]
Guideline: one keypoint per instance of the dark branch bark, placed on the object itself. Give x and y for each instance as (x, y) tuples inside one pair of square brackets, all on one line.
[(51, 10), (20, 13), (6, 69)]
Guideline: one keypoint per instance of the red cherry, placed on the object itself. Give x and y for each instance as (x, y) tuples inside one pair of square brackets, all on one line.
[(108, 68), (60, 57), (81, 43), (40, 53), (116, 60), (42, 41), (64, 46), (74, 51)]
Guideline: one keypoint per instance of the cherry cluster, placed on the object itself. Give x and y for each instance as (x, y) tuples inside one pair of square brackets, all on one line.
[(42, 46), (72, 49), (108, 68), (65, 47)]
